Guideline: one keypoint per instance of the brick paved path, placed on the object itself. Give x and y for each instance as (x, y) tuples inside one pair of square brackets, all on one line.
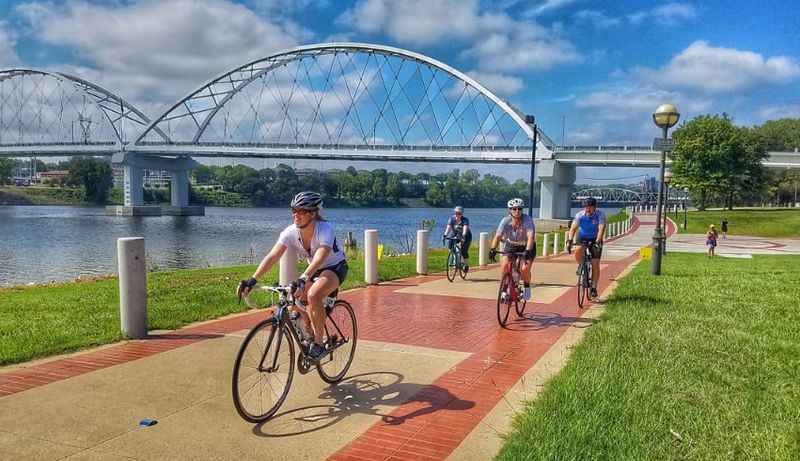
[(478, 362)]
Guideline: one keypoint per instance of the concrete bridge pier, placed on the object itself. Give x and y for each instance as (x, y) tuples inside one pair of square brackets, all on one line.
[(133, 201), (557, 180)]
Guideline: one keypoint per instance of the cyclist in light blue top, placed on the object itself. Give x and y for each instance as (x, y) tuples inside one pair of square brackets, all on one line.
[(518, 233), (590, 225)]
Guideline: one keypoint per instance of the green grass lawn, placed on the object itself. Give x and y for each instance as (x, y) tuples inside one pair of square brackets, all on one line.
[(761, 222), (46, 320), (700, 363)]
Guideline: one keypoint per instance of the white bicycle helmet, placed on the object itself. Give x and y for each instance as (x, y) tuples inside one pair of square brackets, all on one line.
[(306, 200), (458, 209), (516, 203)]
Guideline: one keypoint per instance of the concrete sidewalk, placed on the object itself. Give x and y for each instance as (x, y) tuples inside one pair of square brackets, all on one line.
[(434, 377)]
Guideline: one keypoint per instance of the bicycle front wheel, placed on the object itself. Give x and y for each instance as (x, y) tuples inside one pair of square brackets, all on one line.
[(520, 305), (452, 266), (583, 289), (263, 371), (504, 299), (341, 332)]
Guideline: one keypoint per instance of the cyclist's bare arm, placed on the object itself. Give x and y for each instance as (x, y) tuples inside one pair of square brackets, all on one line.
[(448, 230), (266, 264), (319, 257), (269, 260), (601, 233), (572, 230), (531, 240), (465, 229)]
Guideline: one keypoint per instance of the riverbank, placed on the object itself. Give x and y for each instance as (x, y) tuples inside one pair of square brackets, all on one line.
[(699, 363), (44, 320), (754, 222)]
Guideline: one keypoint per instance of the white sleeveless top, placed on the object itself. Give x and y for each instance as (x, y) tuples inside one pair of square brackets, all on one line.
[(323, 237)]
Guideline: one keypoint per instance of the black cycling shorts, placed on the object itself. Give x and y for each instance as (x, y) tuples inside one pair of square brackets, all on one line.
[(519, 248), (340, 269), (595, 249)]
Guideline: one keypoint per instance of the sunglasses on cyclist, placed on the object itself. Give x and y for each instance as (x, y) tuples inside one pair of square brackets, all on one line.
[(516, 208), (300, 211)]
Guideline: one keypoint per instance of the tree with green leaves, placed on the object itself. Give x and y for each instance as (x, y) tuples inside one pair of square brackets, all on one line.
[(6, 170), (94, 175), (715, 159), (781, 135)]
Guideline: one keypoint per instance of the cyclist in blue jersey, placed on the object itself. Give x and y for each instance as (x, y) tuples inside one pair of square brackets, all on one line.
[(518, 233), (590, 226)]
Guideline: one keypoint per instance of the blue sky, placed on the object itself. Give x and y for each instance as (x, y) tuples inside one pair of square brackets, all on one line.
[(600, 68)]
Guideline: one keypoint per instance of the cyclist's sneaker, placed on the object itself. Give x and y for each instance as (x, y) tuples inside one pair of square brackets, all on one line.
[(466, 268), (593, 292), (316, 352), (527, 293)]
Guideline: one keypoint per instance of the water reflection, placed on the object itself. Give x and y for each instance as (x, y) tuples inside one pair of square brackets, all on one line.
[(60, 243)]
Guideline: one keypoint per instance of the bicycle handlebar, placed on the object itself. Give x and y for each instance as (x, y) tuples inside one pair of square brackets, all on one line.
[(284, 291)]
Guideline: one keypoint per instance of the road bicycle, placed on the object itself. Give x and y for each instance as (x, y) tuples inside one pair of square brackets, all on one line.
[(455, 263), (511, 288), (584, 283), (264, 366)]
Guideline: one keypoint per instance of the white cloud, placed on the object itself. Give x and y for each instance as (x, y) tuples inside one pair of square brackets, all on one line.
[(547, 6), (781, 111), (500, 84), (156, 51), (498, 41), (597, 19), (670, 14), (8, 42), (710, 69), (636, 102)]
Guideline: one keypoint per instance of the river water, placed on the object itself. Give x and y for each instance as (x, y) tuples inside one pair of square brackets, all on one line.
[(43, 243)]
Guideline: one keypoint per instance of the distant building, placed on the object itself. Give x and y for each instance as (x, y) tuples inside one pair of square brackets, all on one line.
[(153, 179), (53, 177)]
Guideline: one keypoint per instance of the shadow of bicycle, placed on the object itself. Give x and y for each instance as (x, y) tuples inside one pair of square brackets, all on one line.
[(376, 394), (536, 321)]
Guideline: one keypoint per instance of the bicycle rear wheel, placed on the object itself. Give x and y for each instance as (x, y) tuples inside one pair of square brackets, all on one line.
[(462, 271), (341, 332), (263, 371), (452, 266), (504, 299)]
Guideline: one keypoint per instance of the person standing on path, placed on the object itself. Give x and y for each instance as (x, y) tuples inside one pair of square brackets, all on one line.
[(711, 240), (724, 228)]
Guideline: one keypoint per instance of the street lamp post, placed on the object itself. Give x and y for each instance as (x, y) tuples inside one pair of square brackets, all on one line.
[(667, 179), (531, 120), (665, 117), (685, 208)]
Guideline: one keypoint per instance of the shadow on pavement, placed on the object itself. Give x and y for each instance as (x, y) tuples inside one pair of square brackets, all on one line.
[(362, 394), (541, 320)]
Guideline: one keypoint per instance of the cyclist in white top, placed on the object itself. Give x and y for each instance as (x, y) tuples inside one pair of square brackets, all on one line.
[(518, 233), (313, 238)]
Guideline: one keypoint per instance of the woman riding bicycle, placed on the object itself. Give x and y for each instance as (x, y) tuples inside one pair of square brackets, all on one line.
[(310, 236), (518, 233)]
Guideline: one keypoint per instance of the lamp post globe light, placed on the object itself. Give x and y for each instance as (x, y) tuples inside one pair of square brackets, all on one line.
[(665, 117)]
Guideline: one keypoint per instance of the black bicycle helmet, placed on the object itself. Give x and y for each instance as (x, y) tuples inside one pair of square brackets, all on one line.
[(591, 201), (306, 200)]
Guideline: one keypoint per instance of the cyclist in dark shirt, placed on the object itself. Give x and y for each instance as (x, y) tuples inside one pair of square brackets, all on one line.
[(458, 224)]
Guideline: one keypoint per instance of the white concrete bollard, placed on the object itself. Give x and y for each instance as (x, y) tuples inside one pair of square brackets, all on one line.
[(132, 287), (545, 244), (566, 241), (371, 256), (483, 249), (422, 251), (555, 242), (287, 269)]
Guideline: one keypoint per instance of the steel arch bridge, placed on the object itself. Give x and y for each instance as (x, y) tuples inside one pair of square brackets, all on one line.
[(50, 109), (626, 196)]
